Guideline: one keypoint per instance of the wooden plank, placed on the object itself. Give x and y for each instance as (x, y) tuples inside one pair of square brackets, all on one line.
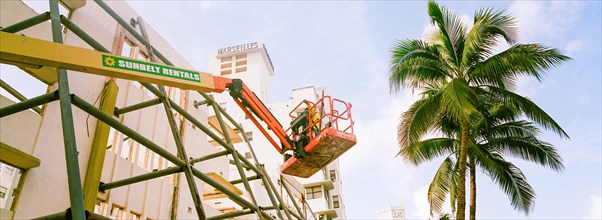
[(210, 193), (234, 136), (17, 158)]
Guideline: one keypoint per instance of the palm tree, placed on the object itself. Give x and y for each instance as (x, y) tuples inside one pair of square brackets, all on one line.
[(500, 134), (460, 63)]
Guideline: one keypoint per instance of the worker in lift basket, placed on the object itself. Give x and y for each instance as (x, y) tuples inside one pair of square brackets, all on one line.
[(314, 120)]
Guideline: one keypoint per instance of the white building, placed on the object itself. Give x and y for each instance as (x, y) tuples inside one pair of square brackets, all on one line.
[(9, 178), (251, 63), (392, 212)]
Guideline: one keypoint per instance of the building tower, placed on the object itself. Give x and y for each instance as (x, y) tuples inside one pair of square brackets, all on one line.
[(392, 212), (251, 63)]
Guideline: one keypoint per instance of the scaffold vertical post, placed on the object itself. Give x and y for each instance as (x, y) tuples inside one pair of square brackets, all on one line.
[(76, 196), (175, 132), (266, 181), (288, 191), (275, 190), (264, 178), (241, 172)]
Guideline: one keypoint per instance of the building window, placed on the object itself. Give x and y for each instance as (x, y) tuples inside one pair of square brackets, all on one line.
[(335, 202), (333, 175), (134, 216), (322, 217), (314, 192), (141, 56), (117, 213), (111, 139), (126, 148), (241, 69), (226, 66), (249, 135), (130, 49), (241, 63), (2, 191), (226, 59), (237, 63), (144, 157), (126, 48), (100, 207), (157, 162)]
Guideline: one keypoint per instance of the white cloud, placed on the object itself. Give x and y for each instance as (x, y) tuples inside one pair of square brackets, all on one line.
[(595, 212), (545, 18), (421, 204), (422, 208), (574, 46), (377, 147)]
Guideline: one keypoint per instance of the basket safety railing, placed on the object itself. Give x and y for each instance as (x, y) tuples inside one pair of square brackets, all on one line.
[(327, 112)]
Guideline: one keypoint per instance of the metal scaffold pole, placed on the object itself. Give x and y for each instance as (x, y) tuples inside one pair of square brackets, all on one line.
[(76, 196), (241, 172), (266, 181), (176, 133), (288, 191)]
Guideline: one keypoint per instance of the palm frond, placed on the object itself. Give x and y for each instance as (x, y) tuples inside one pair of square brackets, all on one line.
[(501, 112), (458, 101), (440, 186), (422, 151), (488, 27), (528, 148), (521, 59), (453, 189), (417, 120), (413, 60), (508, 177), (529, 108), (520, 128), (452, 31), (415, 73)]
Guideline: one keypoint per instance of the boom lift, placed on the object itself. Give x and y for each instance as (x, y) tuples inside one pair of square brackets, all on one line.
[(318, 134)]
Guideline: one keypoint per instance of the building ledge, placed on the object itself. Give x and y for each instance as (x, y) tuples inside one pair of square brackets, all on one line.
[(328, 185), (17, 158), (210, 193), (331, 213)]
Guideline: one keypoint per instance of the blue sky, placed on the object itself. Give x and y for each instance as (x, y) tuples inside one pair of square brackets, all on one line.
[(346, 46)]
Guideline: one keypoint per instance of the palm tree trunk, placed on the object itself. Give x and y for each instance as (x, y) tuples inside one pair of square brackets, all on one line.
[(473, 189), (461, 211)]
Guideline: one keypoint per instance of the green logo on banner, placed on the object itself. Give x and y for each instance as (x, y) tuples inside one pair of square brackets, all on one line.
[(151, 68)]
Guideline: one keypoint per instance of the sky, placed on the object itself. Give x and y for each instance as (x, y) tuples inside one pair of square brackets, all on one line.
[(345, 45)]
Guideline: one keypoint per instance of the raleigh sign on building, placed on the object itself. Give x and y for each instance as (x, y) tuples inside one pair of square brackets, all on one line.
[(238, 48)]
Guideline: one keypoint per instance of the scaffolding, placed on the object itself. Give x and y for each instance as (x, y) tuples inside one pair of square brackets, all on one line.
[(83, 197)]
